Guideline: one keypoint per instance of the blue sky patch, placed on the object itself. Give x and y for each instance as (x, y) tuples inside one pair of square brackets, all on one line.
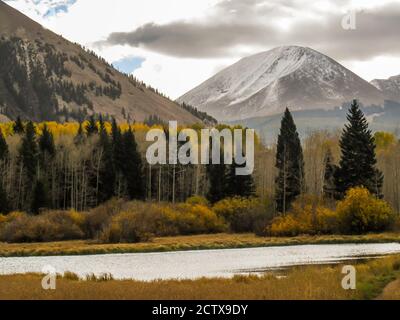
[(128, 64), (57, 8)]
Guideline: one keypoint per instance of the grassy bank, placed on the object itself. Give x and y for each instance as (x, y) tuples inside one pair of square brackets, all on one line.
[(311, 282), (181, 243)]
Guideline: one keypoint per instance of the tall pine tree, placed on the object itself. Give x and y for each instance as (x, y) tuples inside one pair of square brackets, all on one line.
[(290, 164), (358, 162), (18, 126), (3, 147), (217, 177), (118, 157), (46, 143), (107, 170), (133, 167), (80, 136), (29, 151), (4, 205), (91, 126), (40, 199), (239, 186)]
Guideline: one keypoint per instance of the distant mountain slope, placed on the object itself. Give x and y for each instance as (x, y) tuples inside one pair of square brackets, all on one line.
[(45, 77), (380, 118), (265, 83), (390, 87)]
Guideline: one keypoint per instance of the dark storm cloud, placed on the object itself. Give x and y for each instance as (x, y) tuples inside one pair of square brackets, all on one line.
[(251, 23), (183, 39), (376, 33)]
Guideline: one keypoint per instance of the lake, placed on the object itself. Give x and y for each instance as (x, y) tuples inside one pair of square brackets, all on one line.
[(196, 264)]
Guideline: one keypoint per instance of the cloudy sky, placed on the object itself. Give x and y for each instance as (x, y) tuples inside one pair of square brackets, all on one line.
[(174, 45)]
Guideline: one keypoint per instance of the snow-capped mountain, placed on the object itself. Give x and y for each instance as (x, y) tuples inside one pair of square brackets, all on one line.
[(265, 83), (41, 8), (390, 87)]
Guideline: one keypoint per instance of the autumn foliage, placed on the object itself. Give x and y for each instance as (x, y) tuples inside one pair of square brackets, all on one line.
[(360, 212)]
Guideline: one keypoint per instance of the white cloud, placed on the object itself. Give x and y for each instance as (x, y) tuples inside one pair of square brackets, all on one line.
[(89, 21)]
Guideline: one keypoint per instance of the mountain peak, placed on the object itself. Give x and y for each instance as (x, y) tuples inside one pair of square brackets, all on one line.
[(265, 83)]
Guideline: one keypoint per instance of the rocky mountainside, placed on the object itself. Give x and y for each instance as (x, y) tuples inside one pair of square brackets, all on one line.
[(45, 77), (390, 87), (264, 84)]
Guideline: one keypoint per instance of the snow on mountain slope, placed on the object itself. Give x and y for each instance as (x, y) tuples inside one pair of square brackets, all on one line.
[(266, 83), (390, 87)]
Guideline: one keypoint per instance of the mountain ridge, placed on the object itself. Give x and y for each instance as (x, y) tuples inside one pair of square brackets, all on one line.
[(390, 87), (70, 82), (265, 83)]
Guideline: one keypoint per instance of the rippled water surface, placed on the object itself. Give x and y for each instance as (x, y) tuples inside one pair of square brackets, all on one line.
[(195, 264)]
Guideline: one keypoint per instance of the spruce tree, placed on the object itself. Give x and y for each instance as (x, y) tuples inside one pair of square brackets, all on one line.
[(46, 143), (80, 136), (18, 126), (133, 167), (29, 151), (239, 186), (118, 156), (3, 147), (107, 170), (218, 185), (4, 205), (91, 127), (290, 164), (39, 197), (358, 162), (118, 147)]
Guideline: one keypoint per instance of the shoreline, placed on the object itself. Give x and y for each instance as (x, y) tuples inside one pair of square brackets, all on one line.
[(184, 243)]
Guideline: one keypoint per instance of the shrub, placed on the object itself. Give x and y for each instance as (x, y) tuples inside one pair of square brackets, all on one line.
[(126, 227), (49, 226), (307, 216), (99, 218), (194, 219), (198, 200), (243, 214), (361, 212), (140, 221)]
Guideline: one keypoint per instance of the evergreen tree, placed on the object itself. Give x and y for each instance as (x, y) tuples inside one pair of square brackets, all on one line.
[(46, 143), (4, 205), (3, 147), (91, 126), (290, 164), (107, 170), (118, 147), (80, 136), (39, 197), (118, 157), (241, 186), (217, 177), (329, 176), (358, 161), (133, 167), (18, 126), (29, 151)]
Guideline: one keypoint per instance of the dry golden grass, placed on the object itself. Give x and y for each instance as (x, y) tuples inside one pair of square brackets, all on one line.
[(300, 283), (199, 242), (308, 283), (391, 292)]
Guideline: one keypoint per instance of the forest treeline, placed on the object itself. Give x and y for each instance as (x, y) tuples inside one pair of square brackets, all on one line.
[(331, 182), (80, 166)]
